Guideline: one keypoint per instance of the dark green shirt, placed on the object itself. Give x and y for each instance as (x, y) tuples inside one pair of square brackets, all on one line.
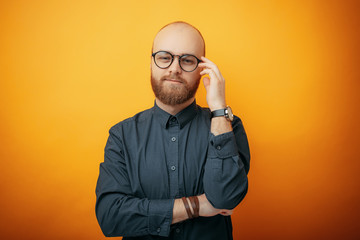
[(153, 158)]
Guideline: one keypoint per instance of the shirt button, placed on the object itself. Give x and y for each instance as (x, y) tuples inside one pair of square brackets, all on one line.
[(218, 147), (177, 230), (173, 119), (173, 168), (173, 139), (158, 230)]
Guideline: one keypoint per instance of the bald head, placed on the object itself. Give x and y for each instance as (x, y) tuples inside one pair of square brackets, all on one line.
[(180, 38)]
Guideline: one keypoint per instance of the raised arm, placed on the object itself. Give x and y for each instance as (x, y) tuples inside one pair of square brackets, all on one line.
[(225, 177)]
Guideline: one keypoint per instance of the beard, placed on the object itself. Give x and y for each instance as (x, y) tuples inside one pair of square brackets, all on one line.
[(174, 94)]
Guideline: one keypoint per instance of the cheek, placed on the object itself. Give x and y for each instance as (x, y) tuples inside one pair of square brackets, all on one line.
[(195, 75), (156, 72)]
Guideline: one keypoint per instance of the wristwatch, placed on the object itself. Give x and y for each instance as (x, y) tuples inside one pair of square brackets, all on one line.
[(226, 112)]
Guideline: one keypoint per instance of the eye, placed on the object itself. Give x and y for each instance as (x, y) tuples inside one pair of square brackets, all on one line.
[(188, 60), (163, 58)]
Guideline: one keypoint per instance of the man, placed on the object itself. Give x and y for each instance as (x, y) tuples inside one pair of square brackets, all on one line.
[(175, 171)]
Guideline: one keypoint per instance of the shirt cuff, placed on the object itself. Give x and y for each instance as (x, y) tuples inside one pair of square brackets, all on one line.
[(222, 145), (160, 216)]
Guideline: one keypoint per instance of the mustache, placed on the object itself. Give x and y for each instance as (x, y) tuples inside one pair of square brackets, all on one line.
[(176, 78)]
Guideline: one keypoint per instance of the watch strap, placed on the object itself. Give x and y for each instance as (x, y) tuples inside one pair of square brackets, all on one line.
[(218, 113)]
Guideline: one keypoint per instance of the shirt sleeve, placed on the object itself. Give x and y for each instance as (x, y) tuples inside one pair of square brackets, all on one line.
[(118, 212), (227, 165)]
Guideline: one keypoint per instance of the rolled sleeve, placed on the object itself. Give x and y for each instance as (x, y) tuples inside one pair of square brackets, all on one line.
[(160, 217), (222, 146), (225, 177)]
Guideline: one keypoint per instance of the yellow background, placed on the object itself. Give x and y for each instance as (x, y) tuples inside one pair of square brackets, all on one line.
[(69, 70)]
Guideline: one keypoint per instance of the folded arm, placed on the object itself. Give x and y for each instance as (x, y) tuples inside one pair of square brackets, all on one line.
[(118, 212)]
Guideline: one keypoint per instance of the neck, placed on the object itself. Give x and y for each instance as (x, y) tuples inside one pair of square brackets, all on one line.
[(173, 109)]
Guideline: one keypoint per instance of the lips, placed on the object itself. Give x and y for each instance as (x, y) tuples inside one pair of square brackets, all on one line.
[(173, 80)]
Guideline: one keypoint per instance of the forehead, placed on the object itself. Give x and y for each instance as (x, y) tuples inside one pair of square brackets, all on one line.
[(179, 39)]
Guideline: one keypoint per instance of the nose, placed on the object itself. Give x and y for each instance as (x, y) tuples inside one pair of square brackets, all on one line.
[(175, 66)]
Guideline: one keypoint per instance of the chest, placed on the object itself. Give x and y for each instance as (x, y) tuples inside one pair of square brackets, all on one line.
[(168, 163)]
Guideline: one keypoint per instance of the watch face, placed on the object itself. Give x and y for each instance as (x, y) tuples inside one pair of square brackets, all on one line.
[(230, 114)]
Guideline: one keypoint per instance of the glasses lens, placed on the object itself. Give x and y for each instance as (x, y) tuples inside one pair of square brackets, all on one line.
[(188, 63), (163, 59)]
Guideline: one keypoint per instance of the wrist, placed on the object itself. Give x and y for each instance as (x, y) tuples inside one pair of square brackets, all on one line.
[(179, 212), (195, 206), (187, 207), (220, 125), (191, 206), (216, 105)]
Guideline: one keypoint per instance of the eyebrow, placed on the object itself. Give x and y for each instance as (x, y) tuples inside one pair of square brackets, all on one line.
[(176, 54)]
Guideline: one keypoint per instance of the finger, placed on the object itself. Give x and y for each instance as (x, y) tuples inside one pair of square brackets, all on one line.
[(211, 65), (206, 59), (211, 74), (215, 69), (208, 71), (207, 64), (226, 214), (206, 82), (205, 71)]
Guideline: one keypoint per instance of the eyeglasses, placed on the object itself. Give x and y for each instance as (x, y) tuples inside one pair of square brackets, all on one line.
[(187, 62)]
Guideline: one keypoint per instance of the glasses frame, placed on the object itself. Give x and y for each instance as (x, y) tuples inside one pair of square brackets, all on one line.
[(172, 60)]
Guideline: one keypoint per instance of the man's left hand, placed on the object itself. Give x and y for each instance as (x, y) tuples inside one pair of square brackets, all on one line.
[(215, 85)]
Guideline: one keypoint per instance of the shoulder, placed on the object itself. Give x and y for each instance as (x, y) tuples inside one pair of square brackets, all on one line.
[(130, 122), (203, 111)]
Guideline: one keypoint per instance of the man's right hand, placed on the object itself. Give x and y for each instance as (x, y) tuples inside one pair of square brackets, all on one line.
[(207, 210), (205, 207)]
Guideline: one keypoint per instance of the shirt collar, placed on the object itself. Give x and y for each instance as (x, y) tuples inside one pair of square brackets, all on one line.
[(183, 117)]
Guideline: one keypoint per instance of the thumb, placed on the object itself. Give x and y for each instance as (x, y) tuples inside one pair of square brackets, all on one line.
[(206, 81)]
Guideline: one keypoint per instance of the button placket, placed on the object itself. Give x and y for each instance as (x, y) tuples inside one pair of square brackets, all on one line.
[(172, 155)]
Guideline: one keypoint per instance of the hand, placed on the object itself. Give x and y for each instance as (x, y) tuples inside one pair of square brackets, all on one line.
[(207, 210), (215, 85)]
